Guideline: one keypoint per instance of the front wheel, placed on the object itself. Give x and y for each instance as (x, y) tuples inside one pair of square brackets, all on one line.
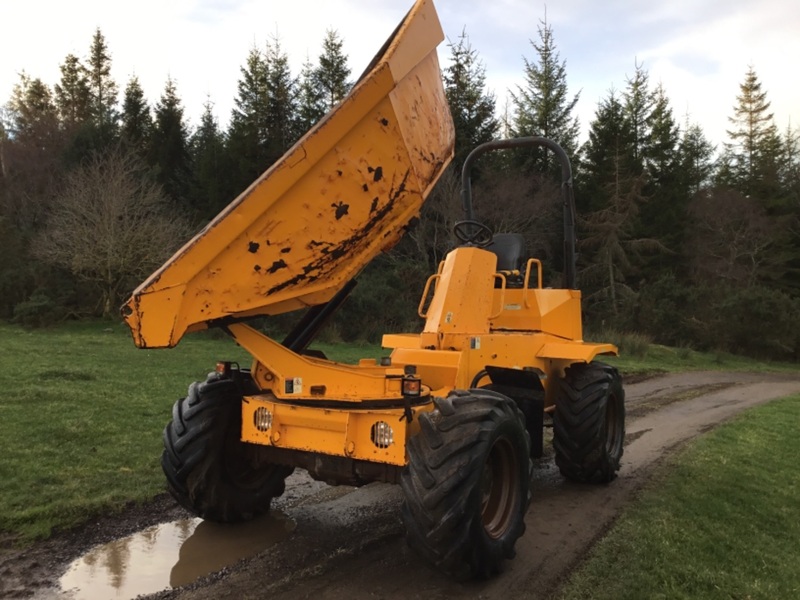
[(467, 483), (208, 468), (589, 423)]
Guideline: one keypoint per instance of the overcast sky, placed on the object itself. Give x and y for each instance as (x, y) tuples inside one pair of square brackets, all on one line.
[(698, 49)]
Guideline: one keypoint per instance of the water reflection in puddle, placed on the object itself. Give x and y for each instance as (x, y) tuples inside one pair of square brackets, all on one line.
[(169, 555)]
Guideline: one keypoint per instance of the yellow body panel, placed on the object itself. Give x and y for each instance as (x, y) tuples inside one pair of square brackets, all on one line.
[(345, 433), (289, 375), (346, 191), (472, 324)]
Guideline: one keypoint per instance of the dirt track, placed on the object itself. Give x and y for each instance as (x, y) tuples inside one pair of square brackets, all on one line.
[(348, 543)]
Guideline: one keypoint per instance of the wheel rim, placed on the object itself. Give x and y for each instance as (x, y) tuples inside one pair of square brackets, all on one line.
[(613, 429), (499, 489)]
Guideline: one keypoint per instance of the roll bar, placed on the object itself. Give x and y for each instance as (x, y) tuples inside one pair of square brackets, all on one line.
[(568, 198)]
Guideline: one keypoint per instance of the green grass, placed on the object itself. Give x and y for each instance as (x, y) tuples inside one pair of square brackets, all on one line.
[(639, 355), (721, 520), (662, 359), (81, 415)]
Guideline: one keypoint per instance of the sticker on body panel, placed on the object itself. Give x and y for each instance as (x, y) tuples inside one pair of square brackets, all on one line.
[(294, 385)]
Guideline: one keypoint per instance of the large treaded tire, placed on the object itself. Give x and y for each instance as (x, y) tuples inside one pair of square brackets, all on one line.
[(208, 469), (467, 483), (589, 423)]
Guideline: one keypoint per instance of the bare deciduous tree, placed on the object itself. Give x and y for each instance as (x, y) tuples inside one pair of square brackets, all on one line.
[(110, 226), (734, 239)]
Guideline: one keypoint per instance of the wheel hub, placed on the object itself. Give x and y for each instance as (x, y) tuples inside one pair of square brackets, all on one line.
[(499, 489)]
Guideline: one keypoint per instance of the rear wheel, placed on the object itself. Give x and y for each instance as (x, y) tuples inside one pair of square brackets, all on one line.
[(209, 470), (467, 483), (589, 423)]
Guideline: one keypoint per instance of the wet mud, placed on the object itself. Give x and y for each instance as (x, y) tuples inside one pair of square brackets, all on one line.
[(168, 555)]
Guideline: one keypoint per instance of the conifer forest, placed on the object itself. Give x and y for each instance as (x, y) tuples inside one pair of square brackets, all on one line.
[(687, 242)]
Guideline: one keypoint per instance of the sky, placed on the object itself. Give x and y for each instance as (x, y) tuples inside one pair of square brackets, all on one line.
[(699, 50)]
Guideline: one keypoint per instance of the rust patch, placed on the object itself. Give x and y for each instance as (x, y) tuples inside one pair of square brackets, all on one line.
[(285, 250), (385, 122), (374, 205), (365, 187), (257, 268), (253, 247)]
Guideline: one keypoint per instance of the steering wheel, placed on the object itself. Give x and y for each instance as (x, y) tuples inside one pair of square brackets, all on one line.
[(473, 233)]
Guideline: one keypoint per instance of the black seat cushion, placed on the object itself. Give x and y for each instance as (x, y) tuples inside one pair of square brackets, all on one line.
[(510, 251)]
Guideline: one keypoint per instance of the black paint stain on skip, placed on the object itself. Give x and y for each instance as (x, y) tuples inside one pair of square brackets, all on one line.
[(285, 250), (341, 209), (257, 268), (384, 121), (365, 187), (322, 266), (374, 205), (377, 173), (253, 247), (277, 266)]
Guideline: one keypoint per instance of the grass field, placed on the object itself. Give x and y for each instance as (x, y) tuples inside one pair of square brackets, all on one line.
[(720, 521), (638, 355), (82, 410), (81, 415)]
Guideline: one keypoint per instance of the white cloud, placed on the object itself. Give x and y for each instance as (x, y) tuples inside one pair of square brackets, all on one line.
[(699, 49)]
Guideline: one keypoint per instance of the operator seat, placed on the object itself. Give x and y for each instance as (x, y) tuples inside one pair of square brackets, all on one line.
[(511, 256), (509, 249)]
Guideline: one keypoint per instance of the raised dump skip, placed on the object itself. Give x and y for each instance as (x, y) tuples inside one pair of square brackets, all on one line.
[(346, 191)]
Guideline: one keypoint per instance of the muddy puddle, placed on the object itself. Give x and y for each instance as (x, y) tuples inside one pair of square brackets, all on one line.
[(168, 555)]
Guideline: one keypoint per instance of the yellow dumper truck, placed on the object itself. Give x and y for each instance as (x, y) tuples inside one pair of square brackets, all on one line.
[(456, 411)]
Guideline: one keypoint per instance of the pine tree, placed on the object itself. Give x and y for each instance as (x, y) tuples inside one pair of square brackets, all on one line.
[(281, 112), (607, 243), (543, 105), (209, 188), (609, 139), (72, 94), (169, 145), (664, 214), (137, 121), (248, 133), (3, 142), (790, 180), (102, 89), (790, 168), (639, 104), (32, 155), (332, 73), (33, 112), (695, 154), (611, 194), (472, 107), (751, 157), (660, 152), (310, 105)]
